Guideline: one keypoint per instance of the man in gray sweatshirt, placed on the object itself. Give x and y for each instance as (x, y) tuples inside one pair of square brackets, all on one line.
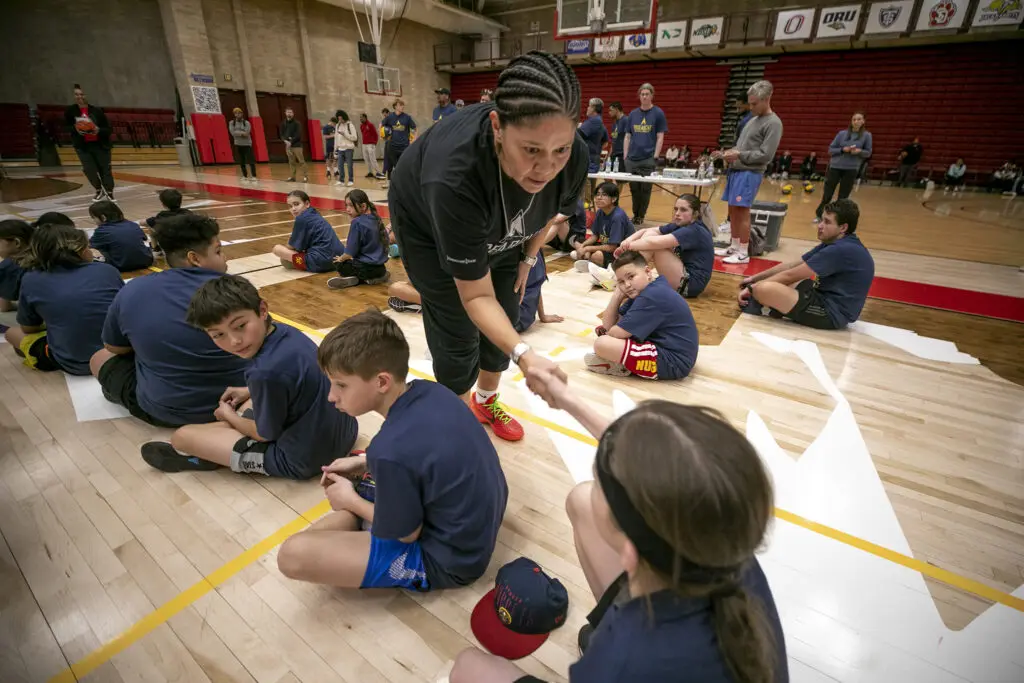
[(747, 161)]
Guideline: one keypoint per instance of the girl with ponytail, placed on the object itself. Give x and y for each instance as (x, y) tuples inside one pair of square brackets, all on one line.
[(15, 249), (683, 251), (366, 249), (666, 535)]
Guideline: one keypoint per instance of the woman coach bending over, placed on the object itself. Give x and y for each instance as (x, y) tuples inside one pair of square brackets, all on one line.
[(468, 206)]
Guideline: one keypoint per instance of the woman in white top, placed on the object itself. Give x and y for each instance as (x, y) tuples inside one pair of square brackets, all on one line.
[(955, 175), (345, 137)]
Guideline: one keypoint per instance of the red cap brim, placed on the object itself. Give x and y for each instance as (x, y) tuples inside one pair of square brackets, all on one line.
[(497, 638)]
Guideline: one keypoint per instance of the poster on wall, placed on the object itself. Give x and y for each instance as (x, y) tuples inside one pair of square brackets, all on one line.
[(706, 31), (939, 15), (794, 24), (577, 47), (998, 13), (637, 42), (889, 17), (671, 34), (838, 22)]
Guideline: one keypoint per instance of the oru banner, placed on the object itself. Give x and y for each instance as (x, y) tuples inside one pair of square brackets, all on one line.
[(838, 22)]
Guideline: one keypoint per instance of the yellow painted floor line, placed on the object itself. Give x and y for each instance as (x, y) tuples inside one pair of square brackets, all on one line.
[(144, 626)]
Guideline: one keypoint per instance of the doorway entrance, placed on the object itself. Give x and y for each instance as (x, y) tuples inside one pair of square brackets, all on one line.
[(272, 106)]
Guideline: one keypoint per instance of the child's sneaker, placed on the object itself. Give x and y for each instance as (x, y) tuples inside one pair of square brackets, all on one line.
[(342, 282), (601, 366), (581, 265), (379, 280), (165, 458), (493, 413), (602, 277), (401, 305)]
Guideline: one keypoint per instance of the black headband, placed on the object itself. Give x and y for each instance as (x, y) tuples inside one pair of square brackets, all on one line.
[(651, 547)]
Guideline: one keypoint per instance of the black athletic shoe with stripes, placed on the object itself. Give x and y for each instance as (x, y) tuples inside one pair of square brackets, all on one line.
[(163, 457)]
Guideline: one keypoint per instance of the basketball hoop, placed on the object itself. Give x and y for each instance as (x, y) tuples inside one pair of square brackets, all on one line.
[(607, 47)]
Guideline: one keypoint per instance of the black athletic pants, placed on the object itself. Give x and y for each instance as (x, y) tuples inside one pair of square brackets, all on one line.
[(844, 178), (95, 160), (393, 154), (641, 192), (458, 349), (245, 155)]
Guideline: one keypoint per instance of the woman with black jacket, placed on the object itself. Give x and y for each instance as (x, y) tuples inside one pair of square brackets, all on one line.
[(90, 135)]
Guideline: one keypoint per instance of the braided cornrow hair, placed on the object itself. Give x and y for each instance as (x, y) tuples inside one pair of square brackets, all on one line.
[(536, 84)]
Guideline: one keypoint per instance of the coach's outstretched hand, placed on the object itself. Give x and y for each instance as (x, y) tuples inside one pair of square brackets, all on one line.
[(533, 362), (554, 389)]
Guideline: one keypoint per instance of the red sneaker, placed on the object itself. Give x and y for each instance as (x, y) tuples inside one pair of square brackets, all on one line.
[(492, 413)]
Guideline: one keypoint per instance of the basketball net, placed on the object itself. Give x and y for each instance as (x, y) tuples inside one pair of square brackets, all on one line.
[(607, 47)]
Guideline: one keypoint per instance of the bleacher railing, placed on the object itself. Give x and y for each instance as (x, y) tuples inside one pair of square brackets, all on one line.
[(129, 127)]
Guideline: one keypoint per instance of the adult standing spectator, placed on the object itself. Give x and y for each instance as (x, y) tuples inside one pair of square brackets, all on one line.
[(401, 130), (849, 149), (645, 134), (345, 139), (241, 135), (909, 157), (444, 104), (369, 137), (747, 162), (471, 226), (386, 135), (618, 134), (291, 133), (743, 112), (90, 135), (595, 135)]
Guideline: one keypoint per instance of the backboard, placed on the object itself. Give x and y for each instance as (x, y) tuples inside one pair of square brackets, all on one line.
[(589, 18)]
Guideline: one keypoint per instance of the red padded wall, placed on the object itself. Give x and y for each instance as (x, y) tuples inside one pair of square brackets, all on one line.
[(961, 100), (690, 91)]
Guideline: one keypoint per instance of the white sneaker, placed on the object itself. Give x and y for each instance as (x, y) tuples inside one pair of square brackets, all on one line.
[(603, 277), (736, 257), (601, 366), (574, 255), (581, 265), (349, 184), (724, 251)]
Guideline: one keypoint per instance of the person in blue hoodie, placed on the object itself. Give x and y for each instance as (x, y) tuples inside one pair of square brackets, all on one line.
[(121, 242), (313, 244), (849, 149), (683, 251)]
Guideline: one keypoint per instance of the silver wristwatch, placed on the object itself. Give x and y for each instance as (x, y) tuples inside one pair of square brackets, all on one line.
[(529, 260), (518, 350)]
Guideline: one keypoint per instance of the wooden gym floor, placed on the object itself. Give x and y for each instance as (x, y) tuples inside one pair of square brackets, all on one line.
[(897, 554)]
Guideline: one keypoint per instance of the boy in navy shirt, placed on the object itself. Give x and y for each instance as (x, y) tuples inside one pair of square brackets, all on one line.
[(279, 423), (164, 371), (121, 242), (610, 228), (650, 331), (827, 287), (440, 492), (171, 200)]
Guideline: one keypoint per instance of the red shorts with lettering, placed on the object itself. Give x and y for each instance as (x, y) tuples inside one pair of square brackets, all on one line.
[(641, 358), (299, 260)]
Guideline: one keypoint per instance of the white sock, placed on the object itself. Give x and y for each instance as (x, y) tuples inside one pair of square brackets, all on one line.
[(741, 247), (735, 245), (481, 396)]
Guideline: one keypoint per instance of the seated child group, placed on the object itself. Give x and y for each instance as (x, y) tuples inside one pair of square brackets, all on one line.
[(195, 350)]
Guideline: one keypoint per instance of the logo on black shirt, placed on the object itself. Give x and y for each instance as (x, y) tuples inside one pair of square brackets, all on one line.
[(516, 235)]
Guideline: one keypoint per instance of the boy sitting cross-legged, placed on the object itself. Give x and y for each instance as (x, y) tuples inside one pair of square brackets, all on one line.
[(647, 329), (286, 427), (440, 491)]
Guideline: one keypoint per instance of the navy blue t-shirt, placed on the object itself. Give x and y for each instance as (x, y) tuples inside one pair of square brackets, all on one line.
[(435, 465), (845, 270), (531, 300), (612, 228), (328, 132), (595, 135), (290, 407), (123, 245), (643, 129), (180, 372), (447, 110), (619, 130), (578, 223), (677, 645), (313, 235), (363, 242), (696, 250), (73, 304), (401, 127), (10, 279), (743, 122), (659, 315)]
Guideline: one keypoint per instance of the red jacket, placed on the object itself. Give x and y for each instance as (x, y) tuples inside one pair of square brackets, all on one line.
[(369, 133)]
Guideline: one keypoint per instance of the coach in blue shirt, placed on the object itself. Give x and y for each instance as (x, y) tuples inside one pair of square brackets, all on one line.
[(444, 104), (645, 134), (827, 287), (594, 133)]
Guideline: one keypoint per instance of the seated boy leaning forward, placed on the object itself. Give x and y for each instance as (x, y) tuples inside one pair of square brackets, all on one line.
[(647, 329), (827, 287), (280, 424), (440, 492)]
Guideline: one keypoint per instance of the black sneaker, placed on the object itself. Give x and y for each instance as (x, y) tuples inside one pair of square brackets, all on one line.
[(342, 282), (369, 175), (583, 639), (379, 280), (401, 306), (163, 457)]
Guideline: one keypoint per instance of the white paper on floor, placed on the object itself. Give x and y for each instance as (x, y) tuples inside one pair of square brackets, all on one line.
[(87, 398), (913, 343)]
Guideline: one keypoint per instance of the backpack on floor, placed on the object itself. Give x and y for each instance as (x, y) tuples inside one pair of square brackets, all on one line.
[(758, 238)]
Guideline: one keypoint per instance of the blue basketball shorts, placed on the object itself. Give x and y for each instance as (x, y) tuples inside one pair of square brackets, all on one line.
[(741, 188), (394, 564)]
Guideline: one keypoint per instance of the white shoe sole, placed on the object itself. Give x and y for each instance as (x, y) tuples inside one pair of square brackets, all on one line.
[(736, 259), (600, 366)]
